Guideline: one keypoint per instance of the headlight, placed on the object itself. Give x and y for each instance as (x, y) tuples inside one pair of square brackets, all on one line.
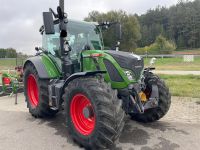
[(129, 75)]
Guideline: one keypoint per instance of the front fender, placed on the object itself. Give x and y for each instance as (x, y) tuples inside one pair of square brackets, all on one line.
[(81, 74)]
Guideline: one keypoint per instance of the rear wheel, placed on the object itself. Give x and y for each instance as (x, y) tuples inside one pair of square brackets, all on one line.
[(36, 93), (94, 116), (154, 114)]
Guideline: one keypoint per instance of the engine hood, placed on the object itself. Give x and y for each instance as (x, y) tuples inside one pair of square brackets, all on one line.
[(128, 61)]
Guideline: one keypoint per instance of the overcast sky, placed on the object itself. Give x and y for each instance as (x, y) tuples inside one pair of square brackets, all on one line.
[(20, 20)]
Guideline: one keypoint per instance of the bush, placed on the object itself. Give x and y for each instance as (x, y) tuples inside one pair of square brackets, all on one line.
[(160, 46)]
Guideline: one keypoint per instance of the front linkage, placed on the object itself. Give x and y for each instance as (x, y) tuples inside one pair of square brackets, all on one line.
[(154, 99), (135, 97)]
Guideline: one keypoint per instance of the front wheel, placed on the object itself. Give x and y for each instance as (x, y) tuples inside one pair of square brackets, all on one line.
[(164, 102), (94, 116)]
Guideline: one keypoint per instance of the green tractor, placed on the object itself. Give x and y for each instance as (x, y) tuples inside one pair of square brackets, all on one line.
[(95, 87)]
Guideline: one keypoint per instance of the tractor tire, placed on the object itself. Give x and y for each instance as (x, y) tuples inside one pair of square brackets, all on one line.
[(36, 93), (154, 114), (102, 123)]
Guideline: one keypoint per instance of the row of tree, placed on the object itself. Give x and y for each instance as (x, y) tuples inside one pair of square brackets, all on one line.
[(11, 53), (8, 53), (179, 24)]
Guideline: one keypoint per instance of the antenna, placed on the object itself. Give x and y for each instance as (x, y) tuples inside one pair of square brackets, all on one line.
[(62, 5)]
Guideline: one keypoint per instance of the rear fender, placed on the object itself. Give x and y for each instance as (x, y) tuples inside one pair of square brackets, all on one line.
[(45, 67)]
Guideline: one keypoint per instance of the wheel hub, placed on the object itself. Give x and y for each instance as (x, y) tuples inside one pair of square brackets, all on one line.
[(88, 112)]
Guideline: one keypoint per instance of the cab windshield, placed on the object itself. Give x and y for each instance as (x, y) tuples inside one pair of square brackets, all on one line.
[(80, 35)]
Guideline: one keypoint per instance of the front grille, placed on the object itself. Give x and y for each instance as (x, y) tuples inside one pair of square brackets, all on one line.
[(112, 71), (128, 61), (137, 68)]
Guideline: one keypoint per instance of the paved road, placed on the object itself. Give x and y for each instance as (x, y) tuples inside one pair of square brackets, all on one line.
[(180, 129), (173, 72)]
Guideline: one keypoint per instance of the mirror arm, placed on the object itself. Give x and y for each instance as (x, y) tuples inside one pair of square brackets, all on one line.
[(54, 14)]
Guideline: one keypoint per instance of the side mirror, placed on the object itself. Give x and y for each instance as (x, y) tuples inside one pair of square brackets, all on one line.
[(37, 49), (87, 47), (119, 31), (48, 23)]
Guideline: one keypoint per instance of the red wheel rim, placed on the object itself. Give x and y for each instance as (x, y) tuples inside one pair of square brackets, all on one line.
[(6, 81), (82, 114), (32, 90)]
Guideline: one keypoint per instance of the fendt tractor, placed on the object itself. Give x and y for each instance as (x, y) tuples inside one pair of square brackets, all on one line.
[(93, 87)]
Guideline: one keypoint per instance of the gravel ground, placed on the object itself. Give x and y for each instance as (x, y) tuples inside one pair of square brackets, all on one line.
[(179, 129), (185, 110)]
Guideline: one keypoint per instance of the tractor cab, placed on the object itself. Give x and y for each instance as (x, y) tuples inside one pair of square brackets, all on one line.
[(81, 36)]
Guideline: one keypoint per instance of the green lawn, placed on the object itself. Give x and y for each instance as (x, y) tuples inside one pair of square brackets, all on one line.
[(9, 63), (183, 85), (175, 64)]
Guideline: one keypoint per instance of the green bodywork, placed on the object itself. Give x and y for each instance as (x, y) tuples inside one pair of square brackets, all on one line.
[(89, 65), (53, 67), (81, 33)]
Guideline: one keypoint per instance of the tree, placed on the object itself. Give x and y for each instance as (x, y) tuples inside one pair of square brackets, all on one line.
[(180, 23), (130, 28)]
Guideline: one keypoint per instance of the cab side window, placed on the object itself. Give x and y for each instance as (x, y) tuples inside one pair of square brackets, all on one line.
[(51, 43)]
